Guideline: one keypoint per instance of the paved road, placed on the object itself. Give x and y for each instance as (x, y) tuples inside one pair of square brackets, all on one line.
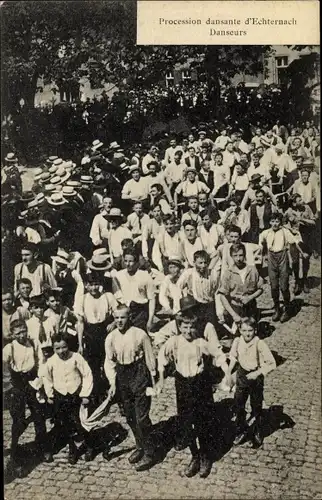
[(287, 466)]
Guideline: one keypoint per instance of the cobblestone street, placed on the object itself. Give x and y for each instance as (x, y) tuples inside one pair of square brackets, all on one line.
[(287, 466)]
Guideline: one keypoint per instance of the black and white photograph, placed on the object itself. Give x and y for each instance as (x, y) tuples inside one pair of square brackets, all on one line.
[(161, 261)]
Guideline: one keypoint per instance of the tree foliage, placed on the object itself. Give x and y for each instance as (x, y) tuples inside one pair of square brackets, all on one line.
[(65, 41)]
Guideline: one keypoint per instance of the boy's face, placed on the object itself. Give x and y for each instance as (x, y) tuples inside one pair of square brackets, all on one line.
[(275, 224), (260, 198), (61, 349), (201, 265), (152, 169), (191, 232), (20, 334), (7, 301), (27, 256), (188, 330), (233, 237), (193, 205), (229, 147), (121, 318), (138, 209), (206, 166), (247, 332), (107, 204), (129, 262), (54, 303), (191, 176), (174, 270), (94, 288), (239, 169), (157, 212), (169, 226), (115, 223), (154, 192), (173, 143), (218, 159), (305, 177), (206, 220), (239, 258), (192, 152), (38, 311), (202, 198), (136, 175), (224, 132), (260, 151)]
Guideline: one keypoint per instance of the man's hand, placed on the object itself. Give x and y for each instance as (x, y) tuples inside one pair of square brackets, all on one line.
[(111, 391), (50, 401), (80, 349), (149, 325), (237, 319), (252, 375), (85, 401), (244, 300)]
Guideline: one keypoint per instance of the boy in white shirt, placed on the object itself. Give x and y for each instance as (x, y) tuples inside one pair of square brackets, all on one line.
[(117, 234), (189, 351), (255, 361), (68, 381), (277, 241), (137, 221), (21, 358)]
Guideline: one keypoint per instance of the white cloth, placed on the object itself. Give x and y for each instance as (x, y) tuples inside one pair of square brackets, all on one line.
[(135, 190)]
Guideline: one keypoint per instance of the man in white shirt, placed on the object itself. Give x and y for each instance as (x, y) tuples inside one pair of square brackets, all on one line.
[(278, 239), (152, 155), (137, 188), (171, 150)]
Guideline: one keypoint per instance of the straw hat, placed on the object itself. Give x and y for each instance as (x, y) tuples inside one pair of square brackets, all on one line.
[(27, 196), (69, 191), (99, 263), (37, 174), (53, 169), (40, 198), (58, 162), (114, 145), (86, 179), (11, 158), (115, 212), (74, 184), (33, 204), (96, 144), (57, 199), (62, 257), (55, 180), (176, 262), (49, 188), (45, 176), (51, 159), (101, 251)]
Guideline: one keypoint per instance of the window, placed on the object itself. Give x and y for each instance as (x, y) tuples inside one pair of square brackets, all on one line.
[(281, 76), (169, 78), (186, 75), (281, 62)]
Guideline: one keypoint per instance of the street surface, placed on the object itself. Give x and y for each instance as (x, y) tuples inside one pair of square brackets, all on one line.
[(287, 466)]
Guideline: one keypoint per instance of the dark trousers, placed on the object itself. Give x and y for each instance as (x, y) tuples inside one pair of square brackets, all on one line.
[(132, 381), (207, 312), (94, 353), (279, 276), (194, 408), (248, 388), (66, 417), (20, 396), (139, 314)]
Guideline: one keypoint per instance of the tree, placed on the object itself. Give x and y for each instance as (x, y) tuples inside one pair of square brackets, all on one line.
[(61, 42)]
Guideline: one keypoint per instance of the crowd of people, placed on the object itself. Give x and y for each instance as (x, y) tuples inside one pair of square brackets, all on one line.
[(128, 267)]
